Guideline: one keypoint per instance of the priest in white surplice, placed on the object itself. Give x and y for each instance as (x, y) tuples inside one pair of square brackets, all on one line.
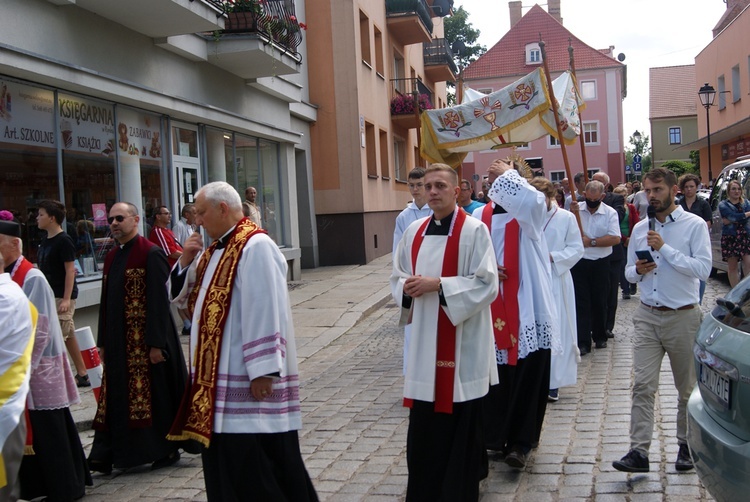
[(525, 322), (445, 277), (243, 404), (565, 249)]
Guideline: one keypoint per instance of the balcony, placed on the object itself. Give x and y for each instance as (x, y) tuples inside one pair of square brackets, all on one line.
[(409, 21), (403, 92), (438, 61), (157, 18), (254, 46)]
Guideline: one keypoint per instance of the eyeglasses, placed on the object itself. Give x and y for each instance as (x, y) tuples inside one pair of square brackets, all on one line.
[(166, 214), (416, 185), (120, 218)]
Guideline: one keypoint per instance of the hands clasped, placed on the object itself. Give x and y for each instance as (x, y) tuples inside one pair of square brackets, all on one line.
[(416, 285)]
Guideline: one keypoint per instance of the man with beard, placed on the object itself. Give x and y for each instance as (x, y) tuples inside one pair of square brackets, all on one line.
[(669, 313), (601, 231), (144, 369)]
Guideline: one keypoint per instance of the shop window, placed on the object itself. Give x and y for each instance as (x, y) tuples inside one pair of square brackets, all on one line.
[(246, 161), (91, 143)]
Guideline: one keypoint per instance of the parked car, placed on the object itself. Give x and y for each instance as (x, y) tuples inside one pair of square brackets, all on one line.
[(719, 407), (739, 170), (704, 193)]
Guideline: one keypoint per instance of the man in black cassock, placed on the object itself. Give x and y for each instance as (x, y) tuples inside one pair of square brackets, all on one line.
[(144, 369)]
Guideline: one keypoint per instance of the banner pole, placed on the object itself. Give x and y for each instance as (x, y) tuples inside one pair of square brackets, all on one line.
[(553, 100)]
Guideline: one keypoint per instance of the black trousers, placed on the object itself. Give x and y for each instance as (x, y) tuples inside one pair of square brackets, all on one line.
[(591, 283), (445, 453), (246, 467)]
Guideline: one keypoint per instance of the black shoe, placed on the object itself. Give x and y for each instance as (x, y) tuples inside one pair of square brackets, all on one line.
[(609, 333), (170, 459), (634, 461), (553, 395), (625, 296), (185, 331), (601, 345), (584, 350), (684, 462), (98, 466), (516, 459), (633, 289), (83, 381)]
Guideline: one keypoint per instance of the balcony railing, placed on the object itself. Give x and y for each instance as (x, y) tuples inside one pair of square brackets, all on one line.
[(277, 21), (403, 92), (409, 21), (438, 61)]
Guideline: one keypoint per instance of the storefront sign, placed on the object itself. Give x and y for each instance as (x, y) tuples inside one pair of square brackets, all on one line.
[(86, 125), (730, 151), (26, 115), (138, 134)]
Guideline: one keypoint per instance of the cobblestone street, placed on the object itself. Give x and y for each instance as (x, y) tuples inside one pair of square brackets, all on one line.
[(354, 436)]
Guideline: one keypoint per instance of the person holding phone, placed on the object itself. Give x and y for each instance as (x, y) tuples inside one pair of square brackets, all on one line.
[(669, 315), (735, 231)]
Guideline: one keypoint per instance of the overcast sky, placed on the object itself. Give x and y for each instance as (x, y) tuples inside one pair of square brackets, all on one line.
[(650, 33)]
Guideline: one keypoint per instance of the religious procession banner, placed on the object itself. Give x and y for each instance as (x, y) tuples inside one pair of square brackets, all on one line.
[(516, 114)]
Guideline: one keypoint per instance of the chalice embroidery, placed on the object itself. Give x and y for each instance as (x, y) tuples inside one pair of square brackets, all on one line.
[(487, 112)]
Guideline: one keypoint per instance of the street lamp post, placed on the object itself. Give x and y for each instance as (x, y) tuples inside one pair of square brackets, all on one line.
[(707, 94)]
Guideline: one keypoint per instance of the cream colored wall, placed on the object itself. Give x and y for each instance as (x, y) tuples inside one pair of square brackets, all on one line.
[(345, 89)]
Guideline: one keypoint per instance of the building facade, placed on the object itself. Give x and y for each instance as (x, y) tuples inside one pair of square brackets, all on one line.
[(672, 112), (601, 80), (725, 65), (146, 101), (372, 64)]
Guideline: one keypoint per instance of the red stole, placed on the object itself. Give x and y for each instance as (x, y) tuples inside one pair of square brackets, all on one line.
[(138, 364), (19, 275), (505, 314), (446, 332)]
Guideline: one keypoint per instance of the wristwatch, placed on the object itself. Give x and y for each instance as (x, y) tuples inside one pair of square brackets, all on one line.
[(593, 243)]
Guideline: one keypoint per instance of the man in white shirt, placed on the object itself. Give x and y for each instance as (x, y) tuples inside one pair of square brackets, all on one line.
[(415, 210), (669, 314), (601, 231), (185, 227)]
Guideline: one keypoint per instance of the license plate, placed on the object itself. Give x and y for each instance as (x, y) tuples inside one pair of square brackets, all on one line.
[(718, 386)]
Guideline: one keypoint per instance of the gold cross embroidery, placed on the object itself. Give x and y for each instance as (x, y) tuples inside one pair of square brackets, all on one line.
[(513, 340), (499, 324)]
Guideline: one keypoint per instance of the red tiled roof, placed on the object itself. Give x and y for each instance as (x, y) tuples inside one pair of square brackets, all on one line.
[(672, 92), (508, 56)]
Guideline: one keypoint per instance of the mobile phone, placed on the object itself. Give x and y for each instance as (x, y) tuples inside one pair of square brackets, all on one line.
[(644, 255)]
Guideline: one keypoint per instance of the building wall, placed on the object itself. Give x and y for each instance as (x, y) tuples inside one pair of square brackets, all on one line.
[(725, 51), (352, 96), (661, 149)]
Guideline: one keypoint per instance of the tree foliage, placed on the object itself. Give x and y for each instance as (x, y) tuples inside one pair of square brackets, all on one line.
[(642, 147), (458, 28), (680, 167)]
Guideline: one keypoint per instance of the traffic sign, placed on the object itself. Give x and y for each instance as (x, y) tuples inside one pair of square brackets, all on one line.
[(637, 167), (637, 158), (627, 169), (475, 177)]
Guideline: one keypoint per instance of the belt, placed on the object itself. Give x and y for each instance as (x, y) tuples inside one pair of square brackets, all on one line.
[(667, 309)]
